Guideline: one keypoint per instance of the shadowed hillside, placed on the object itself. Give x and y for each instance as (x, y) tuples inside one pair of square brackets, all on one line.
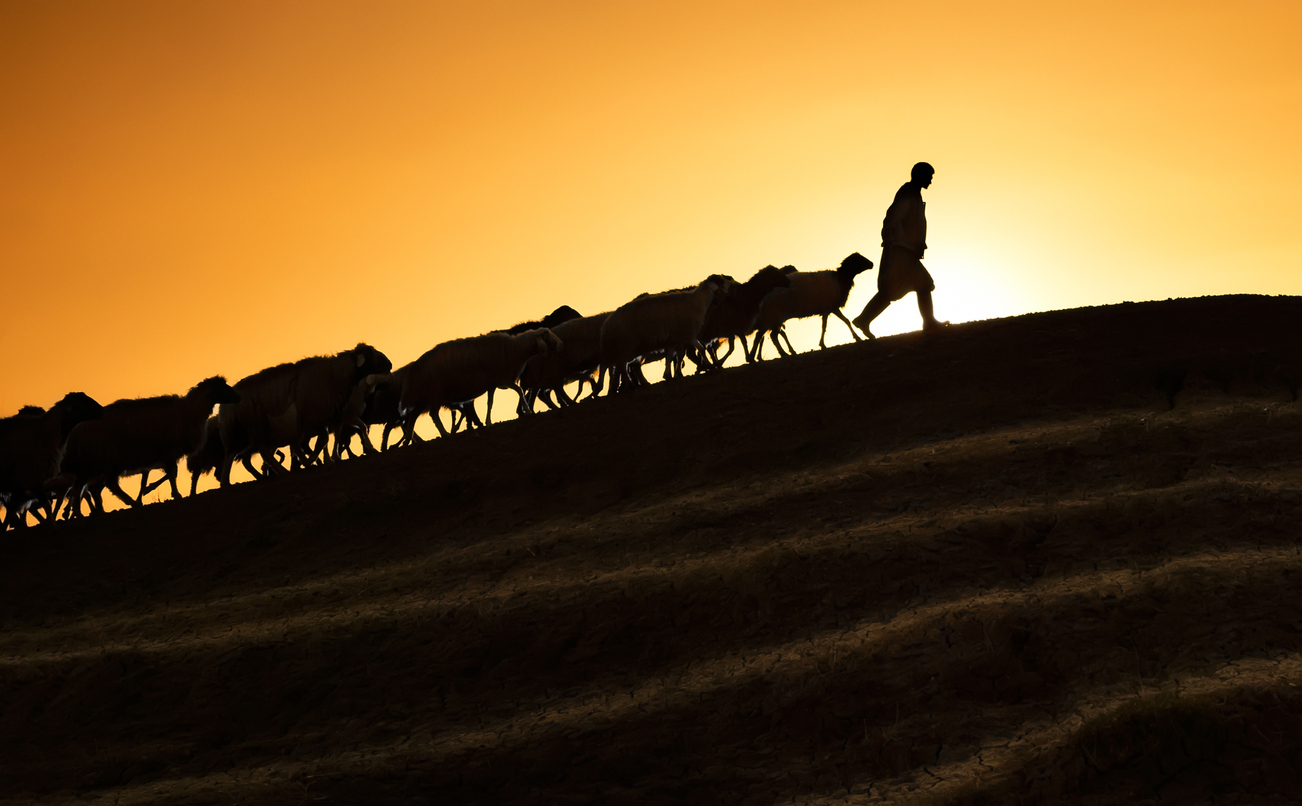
[(1053, 558)]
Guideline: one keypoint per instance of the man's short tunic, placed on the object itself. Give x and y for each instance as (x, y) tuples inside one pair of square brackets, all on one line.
[(904, 239)]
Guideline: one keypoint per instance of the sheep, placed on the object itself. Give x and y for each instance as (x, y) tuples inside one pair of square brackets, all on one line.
[(658, 323), (735, 309), (818, 293), (287, 404), (460, 371), (139, 436), (32, 447), (576, 360)]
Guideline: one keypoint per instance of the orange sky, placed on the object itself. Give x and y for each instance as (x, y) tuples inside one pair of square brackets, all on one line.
[(189, 189)]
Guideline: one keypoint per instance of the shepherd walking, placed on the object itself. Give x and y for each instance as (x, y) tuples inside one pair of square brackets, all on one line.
[(904, 240)]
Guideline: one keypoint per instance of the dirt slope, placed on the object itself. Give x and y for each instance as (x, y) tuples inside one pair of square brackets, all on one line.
[(1053, 558)]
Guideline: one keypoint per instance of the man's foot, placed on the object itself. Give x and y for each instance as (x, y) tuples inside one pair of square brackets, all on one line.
[(862, 324), (934, 326)]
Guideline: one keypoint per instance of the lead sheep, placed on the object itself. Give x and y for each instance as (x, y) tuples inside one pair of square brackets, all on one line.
[(140, 436), (32, 447), (457, 372), (816, 293), (666, 323), (286, 404)]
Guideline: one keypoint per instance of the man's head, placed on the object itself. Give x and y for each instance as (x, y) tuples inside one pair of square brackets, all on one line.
[(922, 173)]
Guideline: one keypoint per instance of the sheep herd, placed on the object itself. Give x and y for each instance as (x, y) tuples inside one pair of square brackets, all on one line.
[(57, 462)]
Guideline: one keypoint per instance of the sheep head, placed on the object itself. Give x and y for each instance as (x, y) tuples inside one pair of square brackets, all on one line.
[(545, 342), (562, 314), (854, 265), (216, 390), (76, 408), (369, 361), (769, 278)]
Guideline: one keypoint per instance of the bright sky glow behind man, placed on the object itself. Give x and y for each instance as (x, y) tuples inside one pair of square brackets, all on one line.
[(198, 188)]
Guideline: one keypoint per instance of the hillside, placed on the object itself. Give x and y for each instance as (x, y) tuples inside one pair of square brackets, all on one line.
[(1052, 558)]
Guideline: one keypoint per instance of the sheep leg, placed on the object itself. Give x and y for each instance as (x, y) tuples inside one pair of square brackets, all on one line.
[(116, 489), (438, 421), (72, 507), (520, 392), (854, 331), (718, 362), (318, 454), (171, 478), (759, 347), (365, 434), (223, 470), (271, 463), (635, 374), (194, 483), (145, 490), (488, 411), (790, 350), (304, 455), (565, 399), (96, 499), (701, 357), (745, 348), (773, 337), (58, 502)]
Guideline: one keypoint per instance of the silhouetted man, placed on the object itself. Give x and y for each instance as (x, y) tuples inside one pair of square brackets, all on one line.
[(904, 240)]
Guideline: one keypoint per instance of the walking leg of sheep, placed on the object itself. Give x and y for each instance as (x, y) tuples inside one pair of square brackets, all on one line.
[(854, 331), (117, 490), (783, 332), (166, 477)]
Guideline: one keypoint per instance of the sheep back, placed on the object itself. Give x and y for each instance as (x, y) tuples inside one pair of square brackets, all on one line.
[(810, 294), (461, 370), (670, 321), (138, 434)]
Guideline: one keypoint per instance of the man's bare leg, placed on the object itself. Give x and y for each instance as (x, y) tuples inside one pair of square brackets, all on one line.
[(929, 321), (874, 309)]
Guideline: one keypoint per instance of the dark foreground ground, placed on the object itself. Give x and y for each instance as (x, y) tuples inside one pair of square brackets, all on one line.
[(998, 567)]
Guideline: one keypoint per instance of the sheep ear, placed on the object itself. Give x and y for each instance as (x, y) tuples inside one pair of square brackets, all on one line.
[(361, 359)]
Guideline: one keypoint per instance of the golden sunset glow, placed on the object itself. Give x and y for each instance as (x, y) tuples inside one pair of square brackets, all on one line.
[(190, 189)]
